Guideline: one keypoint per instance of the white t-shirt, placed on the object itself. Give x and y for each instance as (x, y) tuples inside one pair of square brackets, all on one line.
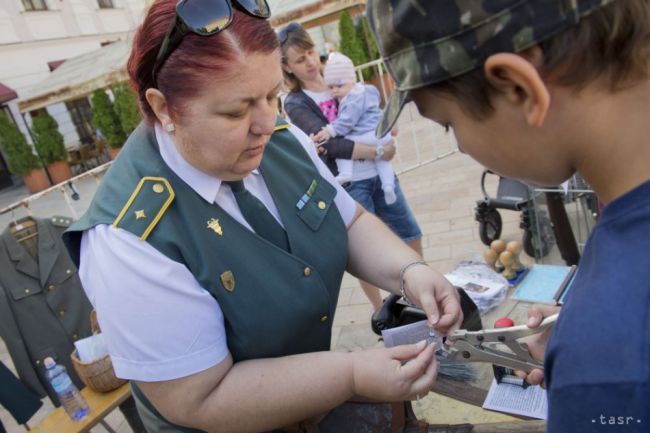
[(319, 97), (157, 321)]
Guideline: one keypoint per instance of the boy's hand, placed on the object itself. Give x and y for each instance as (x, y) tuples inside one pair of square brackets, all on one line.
[(537, 343)]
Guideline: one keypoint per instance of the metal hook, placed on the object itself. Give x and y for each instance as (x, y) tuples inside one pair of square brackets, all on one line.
[(75, 193)]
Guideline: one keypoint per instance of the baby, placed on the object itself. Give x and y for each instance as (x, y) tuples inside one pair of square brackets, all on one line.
[(358, 116)]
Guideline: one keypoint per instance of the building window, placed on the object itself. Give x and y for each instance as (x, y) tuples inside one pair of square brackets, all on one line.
[(105, 4), (82, 116), (34, 5)]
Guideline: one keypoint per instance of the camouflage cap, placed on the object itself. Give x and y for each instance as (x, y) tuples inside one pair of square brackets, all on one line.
[(424, 42)]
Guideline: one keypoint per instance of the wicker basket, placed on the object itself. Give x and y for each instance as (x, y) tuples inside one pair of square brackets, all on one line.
[(98, 374)]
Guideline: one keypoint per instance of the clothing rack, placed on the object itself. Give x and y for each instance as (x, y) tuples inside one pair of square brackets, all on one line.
[(66, 188)]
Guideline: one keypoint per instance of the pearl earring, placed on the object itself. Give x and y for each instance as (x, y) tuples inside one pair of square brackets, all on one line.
[(170, 127)]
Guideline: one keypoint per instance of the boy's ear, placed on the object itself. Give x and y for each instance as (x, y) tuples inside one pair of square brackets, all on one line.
[(519, 81)]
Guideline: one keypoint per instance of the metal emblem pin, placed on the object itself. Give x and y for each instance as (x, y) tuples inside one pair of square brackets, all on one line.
[(228, 280), (158, 188), (139, 214), (214, 225)]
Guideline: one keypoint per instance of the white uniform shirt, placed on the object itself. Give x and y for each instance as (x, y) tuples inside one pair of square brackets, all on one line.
[(157, 321)]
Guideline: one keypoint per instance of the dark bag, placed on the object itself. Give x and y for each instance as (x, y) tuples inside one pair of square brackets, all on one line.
[(396, 312)]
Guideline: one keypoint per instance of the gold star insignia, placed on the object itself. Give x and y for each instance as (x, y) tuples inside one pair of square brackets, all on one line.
[(215, 226), (139, 214)]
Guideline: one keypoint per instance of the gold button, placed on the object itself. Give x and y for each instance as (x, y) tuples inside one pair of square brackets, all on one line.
[(61, 313), (68, 271), (26, 290), (158, 188), (75, 337), (51, 287), (323, 319), (307, 271), (38, 362), (321, 205)]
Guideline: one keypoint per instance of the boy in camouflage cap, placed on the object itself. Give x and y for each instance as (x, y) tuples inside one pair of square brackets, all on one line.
[(538, 90)]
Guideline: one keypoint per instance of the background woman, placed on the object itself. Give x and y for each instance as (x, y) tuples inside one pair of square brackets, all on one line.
[(307, 105)]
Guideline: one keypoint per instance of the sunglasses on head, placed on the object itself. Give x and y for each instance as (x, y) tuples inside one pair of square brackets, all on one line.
[(283, 34), (204, 18)]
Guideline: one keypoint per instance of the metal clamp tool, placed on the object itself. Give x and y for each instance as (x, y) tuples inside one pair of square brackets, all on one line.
[(483, 346)]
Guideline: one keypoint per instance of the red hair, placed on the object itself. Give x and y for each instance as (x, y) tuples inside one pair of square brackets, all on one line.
[(197, 61)]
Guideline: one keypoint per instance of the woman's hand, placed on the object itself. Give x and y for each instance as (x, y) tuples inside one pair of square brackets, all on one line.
[(395, 374), (389, 151), (537, 343), (322, 136), (438, 298), (369, 151)]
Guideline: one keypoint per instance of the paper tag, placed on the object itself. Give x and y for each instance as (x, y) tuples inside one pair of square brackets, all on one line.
[(411, 334)]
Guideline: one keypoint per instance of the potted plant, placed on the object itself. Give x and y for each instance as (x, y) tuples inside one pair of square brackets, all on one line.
[(349, 43), (106, 120), (381, 80), (48, 142), (126, 107), (20, 158)]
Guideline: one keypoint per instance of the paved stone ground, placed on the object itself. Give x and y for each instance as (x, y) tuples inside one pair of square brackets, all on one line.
[(441, 193)]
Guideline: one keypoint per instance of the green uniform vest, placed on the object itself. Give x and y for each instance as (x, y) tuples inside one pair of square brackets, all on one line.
[(274, 302)]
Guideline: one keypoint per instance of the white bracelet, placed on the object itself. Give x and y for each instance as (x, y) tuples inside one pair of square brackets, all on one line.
[(401, 277)]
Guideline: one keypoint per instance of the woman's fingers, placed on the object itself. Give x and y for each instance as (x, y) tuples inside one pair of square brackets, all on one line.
[(430, 307), (416, 367), (451, 318), (407, 351), (423, 384), (395, 373), (442, 307)]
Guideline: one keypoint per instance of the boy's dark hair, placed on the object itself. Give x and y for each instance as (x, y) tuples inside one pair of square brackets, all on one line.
[(443, 44), (612, 44)]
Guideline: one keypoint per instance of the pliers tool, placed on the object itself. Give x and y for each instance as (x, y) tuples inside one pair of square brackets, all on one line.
[(488, 346)]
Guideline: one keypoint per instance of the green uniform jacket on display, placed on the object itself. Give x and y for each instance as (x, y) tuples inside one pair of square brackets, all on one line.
[(275, 303), (43, 308)]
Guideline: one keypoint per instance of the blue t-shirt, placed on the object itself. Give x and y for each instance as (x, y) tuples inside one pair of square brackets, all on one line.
[(598, 359)]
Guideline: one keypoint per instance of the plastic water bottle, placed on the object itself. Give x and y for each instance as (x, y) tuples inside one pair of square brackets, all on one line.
[(69, 396)]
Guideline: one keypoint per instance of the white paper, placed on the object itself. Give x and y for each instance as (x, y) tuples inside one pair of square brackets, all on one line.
[(530, 402), (411, 334), (91, 348)]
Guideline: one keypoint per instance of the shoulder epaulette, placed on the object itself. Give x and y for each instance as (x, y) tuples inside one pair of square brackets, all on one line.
[(281, 124), (146, 206)]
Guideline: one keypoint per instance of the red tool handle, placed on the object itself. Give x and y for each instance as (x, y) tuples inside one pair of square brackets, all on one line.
[(504, 322)]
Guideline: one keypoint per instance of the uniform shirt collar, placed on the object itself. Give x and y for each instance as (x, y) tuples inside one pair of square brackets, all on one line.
[(205, 185)]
